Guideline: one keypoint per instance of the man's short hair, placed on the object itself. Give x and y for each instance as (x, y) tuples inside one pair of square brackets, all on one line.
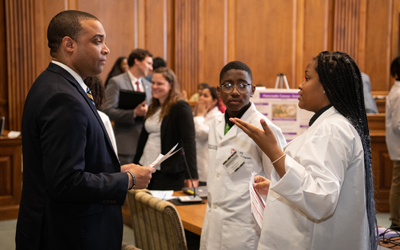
[(235, 65), (158, 62), (65, 23), (139, 54)]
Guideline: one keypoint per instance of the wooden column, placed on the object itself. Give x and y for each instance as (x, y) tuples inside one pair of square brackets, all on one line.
[(20, 56), (187, 44), (346, 27)]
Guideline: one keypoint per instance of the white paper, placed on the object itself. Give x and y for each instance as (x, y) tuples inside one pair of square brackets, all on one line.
[(162, 157), (162, 194), (14, 134), (257, 202)]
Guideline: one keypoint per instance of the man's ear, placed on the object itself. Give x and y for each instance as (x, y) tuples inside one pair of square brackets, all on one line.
[(68, 44), (218, 92), (253, 89)]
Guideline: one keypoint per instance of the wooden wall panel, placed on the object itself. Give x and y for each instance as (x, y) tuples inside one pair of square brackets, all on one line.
[(198, 37), (314, 32), (119, 20), (3, 66), (215, 38), (187, 44), (377, 48), (10, 177), (21, 70), (394, 39), (264, 39), (346, 27), (156, 28)]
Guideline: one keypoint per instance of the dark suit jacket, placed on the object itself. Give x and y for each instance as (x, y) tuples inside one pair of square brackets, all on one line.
[(177, 126), (72, 185), (126, 127)]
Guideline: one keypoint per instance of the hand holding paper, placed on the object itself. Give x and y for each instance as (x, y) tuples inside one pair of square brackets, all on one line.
[(256, 201), (261, 184)]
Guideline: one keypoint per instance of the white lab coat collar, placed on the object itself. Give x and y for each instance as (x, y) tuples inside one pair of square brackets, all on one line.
[(234, 130), (324, 115)]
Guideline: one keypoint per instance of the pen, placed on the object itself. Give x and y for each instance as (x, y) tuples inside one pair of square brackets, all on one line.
[(190, 191)]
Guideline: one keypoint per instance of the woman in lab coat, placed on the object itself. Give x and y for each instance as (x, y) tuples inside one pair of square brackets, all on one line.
[(205, 111), (321, 193)]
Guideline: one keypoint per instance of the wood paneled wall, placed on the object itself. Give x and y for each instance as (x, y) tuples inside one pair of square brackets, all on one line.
[(198, 37)]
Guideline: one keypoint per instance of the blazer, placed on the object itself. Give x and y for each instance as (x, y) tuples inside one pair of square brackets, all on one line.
[(177, 126), (126, 127), (73, 189)]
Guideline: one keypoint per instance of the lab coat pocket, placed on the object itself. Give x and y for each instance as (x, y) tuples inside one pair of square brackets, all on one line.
[(238, 236)]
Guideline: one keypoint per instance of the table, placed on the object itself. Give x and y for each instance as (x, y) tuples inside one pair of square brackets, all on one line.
[(192, 216)]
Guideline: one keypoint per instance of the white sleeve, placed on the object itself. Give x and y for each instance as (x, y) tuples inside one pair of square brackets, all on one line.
[(314, 185), (202, 127)]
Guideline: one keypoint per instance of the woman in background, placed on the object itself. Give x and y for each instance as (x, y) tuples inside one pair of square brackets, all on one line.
[(320, 193), (120, 66), (169, 121), (205, 111)]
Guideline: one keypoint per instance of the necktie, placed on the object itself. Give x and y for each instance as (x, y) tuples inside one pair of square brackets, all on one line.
[(89, 94), (138, 86)]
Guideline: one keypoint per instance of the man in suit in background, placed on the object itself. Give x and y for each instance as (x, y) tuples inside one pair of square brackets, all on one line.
[(127, 122), (73, 186)]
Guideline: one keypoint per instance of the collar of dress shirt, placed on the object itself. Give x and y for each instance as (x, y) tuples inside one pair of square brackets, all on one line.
[(133, 78), (77, 77)]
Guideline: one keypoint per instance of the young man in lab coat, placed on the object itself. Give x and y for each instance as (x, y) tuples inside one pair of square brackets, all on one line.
[(228, 222)]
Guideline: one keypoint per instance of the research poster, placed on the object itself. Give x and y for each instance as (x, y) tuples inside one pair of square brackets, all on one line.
[(281, 107)]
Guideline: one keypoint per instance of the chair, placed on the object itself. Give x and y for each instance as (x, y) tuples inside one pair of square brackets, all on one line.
[(156, 223), (128, 247)]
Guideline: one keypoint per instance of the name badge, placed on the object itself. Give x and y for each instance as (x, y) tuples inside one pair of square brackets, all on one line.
[(233, 163)]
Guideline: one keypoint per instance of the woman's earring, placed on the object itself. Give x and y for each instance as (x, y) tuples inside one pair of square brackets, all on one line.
[(323, 91)]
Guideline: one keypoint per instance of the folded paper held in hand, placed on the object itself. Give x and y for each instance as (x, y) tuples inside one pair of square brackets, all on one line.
[(161, 157)]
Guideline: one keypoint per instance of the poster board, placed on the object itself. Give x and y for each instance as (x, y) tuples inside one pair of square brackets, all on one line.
[(281, 107)]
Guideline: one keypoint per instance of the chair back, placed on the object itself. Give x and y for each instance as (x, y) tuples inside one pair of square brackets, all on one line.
[(156, 223)]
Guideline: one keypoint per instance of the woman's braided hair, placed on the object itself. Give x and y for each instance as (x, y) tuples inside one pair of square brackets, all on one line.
[(342, 82)]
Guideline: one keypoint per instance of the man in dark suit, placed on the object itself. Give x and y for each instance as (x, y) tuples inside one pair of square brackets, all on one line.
[(127, 122), (73, 185)]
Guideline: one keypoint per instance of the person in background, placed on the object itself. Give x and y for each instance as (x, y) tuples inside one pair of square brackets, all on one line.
[(120, 66), (393, 141), (370, 104), (228, 223), (321, 191), (129, 122), (157, 63), (200, 87), (95, 85), (205, 112), (73, 186), (169, 121)]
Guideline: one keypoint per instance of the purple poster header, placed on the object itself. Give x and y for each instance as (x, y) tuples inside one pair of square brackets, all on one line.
[(279, 95)]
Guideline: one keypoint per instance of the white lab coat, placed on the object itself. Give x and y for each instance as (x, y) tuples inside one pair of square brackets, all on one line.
[(228, 222), (202, 126), (393, 122), (320, 203)]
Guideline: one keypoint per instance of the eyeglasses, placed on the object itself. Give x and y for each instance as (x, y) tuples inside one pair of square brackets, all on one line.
[(241, 87)]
